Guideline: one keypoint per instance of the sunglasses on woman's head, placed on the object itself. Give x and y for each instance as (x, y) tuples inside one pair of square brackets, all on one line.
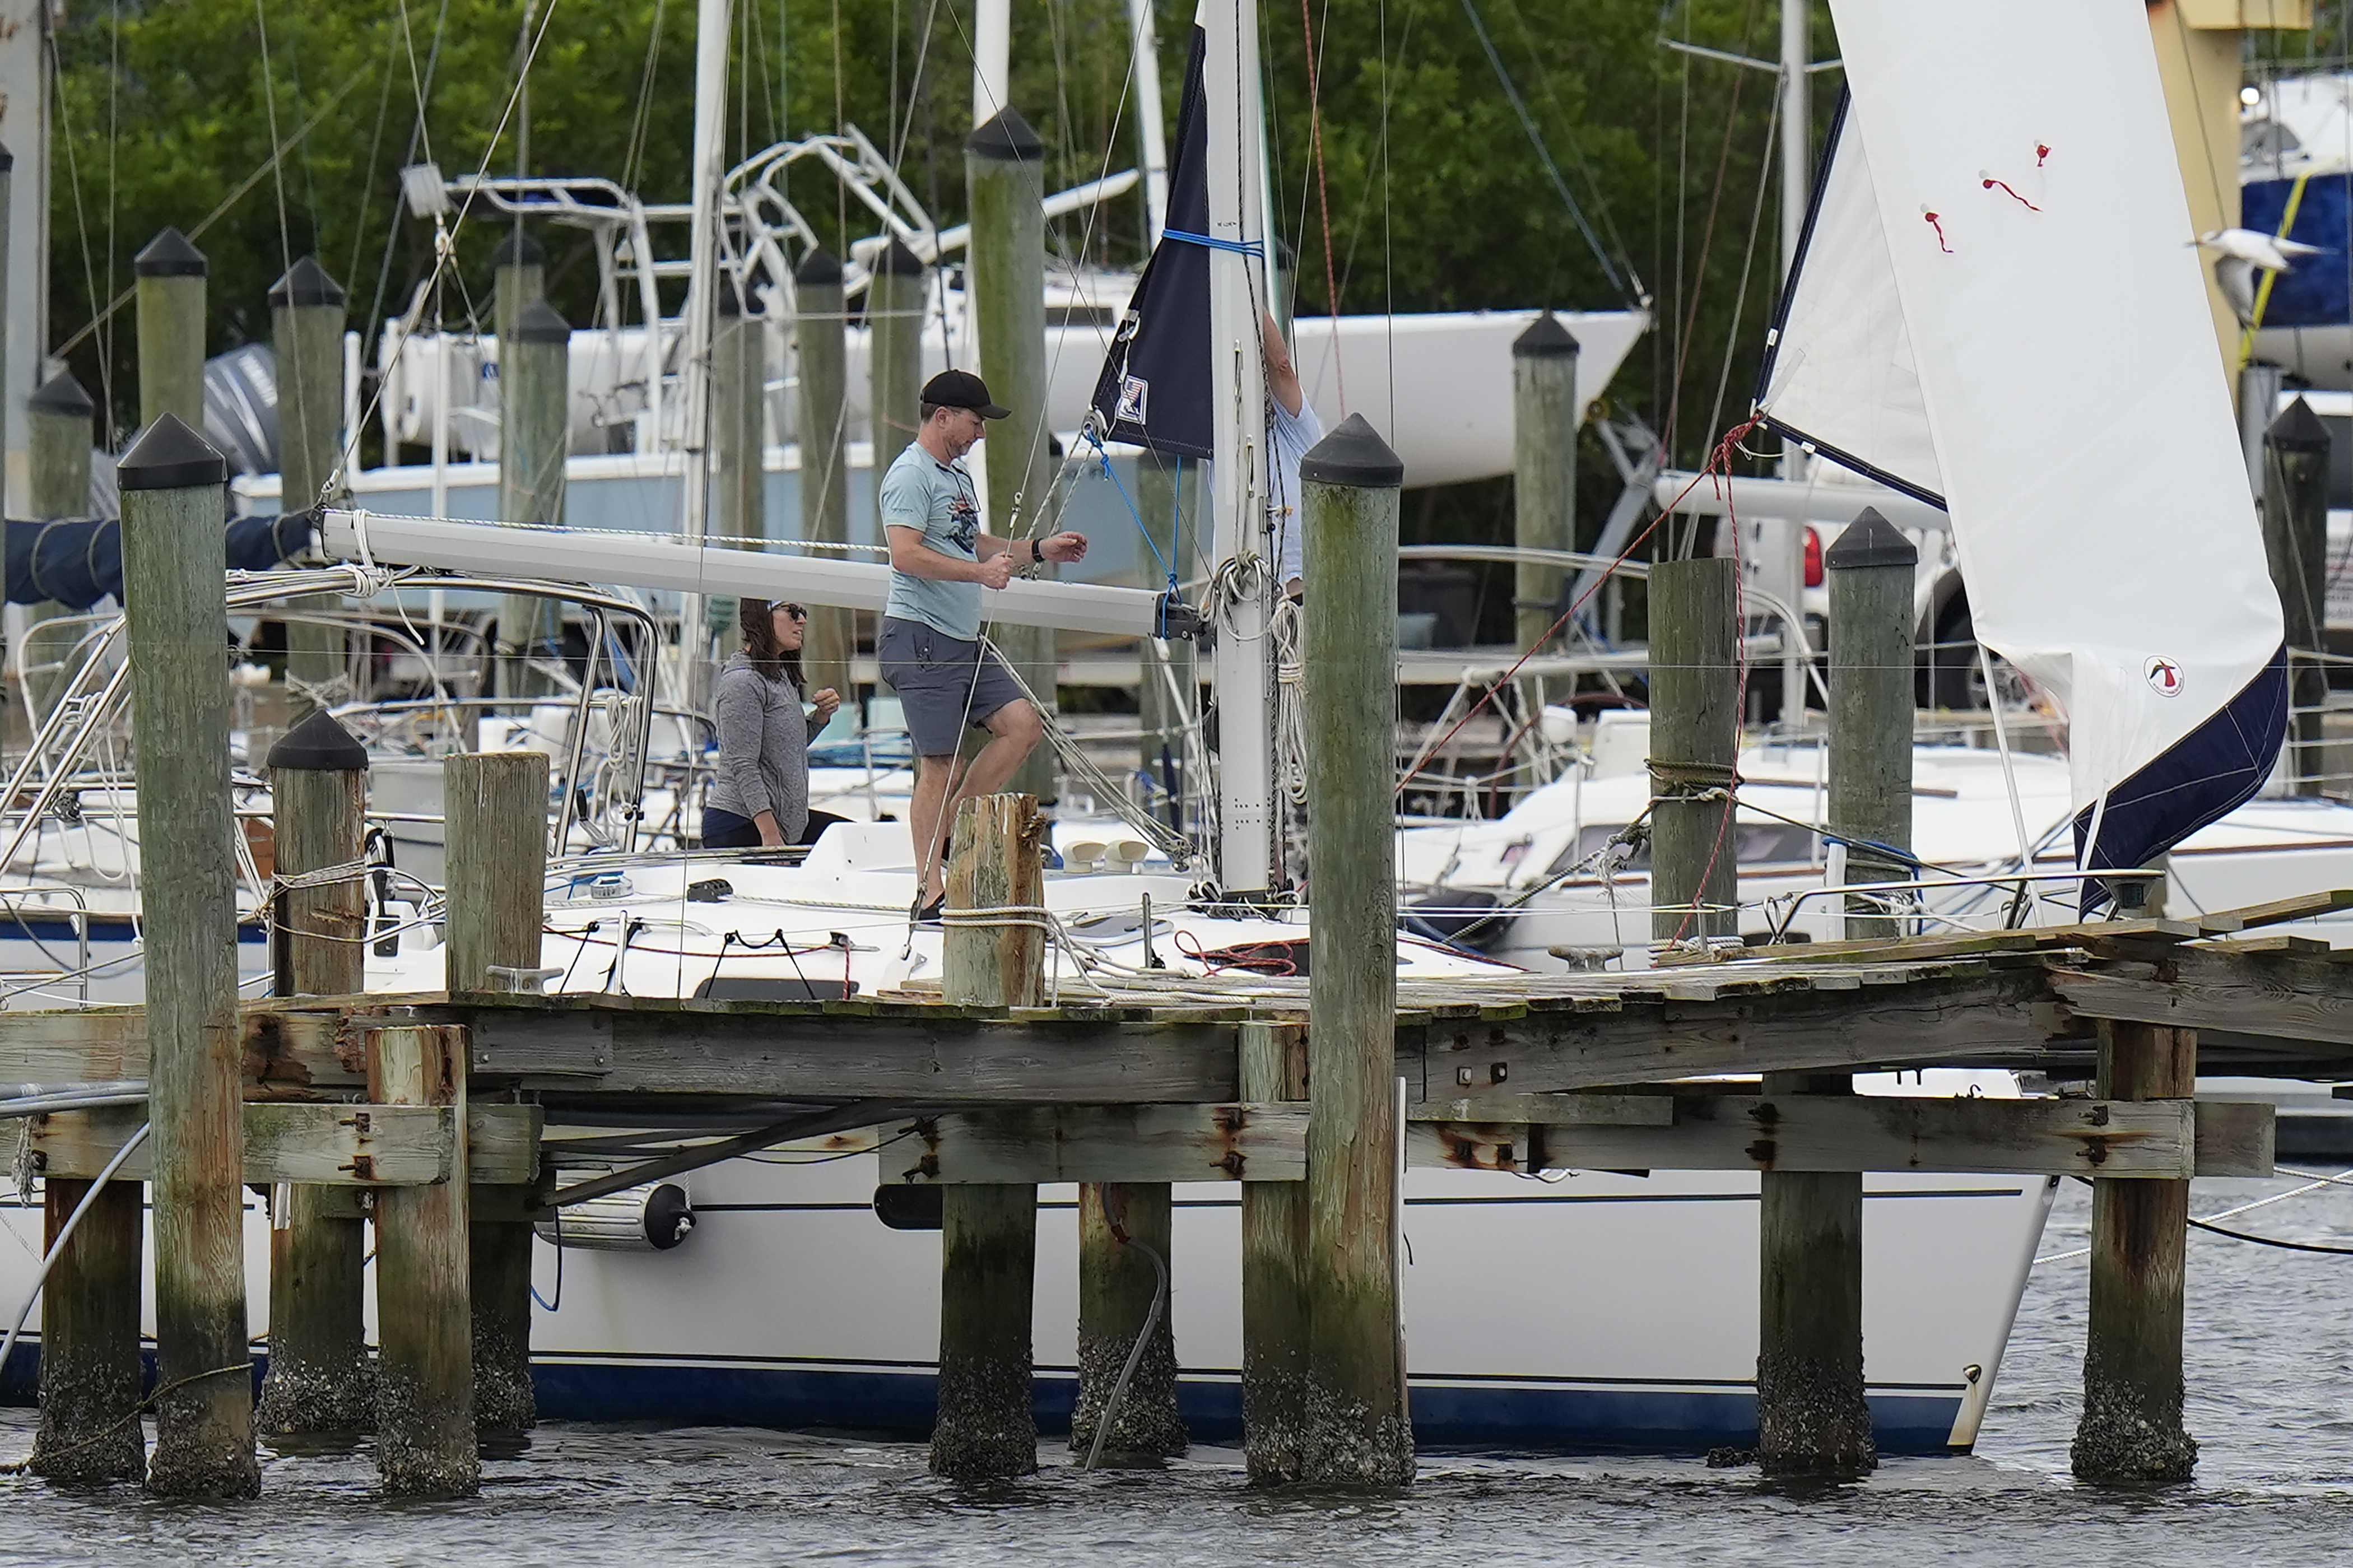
[(797, 612)]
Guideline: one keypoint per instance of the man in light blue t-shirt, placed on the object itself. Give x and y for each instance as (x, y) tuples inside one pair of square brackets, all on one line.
[(930, 646)]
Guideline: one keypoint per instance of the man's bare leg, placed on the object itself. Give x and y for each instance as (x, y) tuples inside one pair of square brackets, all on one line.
[(926, 819)]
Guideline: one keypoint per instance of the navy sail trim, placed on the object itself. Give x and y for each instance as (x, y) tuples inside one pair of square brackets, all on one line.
[(2204, 776)]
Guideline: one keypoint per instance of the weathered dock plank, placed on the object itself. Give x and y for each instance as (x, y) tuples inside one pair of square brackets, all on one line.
[(320, 1144), (1239, 1142)]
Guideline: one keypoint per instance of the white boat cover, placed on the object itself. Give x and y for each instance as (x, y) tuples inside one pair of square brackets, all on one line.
[(2032, 223)]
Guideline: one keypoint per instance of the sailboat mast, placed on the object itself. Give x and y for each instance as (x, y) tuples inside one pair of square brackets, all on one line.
[(1237, 383), (711, 21), (1153, 138)]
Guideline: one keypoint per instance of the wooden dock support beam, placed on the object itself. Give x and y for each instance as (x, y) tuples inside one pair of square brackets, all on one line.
[(987, 1428), (1118, 1290), (91, 1367), (306, 316), (1005, 172), (2295, 542), (174, 561), (1544, 468), (1694, 737), (1357, 1433), (2131, 1433), (1813, 1417), (497, 806), (820, 331), (1274, 1283), (535, 436), (425, 1443), (320, 1379)]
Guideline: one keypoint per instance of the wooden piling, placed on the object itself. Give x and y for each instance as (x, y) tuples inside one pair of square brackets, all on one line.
[(1543, 467), (320, 1379), (170, 292), (1005, 174), (497, 808), (1813, 1417), (57, 439), (306, 315), (425, 1443), (895, 301), (1357, 1433), (1274, 1281), (820, 332), (517, 279), (90, 1368), (2296, 539), (1694, 736), (534, 415), (1118, 1288), (2131, 1432), (174, 563), (987, 1429)]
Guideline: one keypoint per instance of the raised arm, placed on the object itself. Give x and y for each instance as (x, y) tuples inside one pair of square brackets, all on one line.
[(1281, 378)]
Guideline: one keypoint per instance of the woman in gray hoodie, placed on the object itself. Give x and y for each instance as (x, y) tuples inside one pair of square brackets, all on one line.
[(759, 797)]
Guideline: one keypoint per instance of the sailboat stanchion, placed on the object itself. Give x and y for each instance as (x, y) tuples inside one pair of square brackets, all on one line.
[(821, 334), (1544, 468), (1357, 1433), (987, 1429), (496, 804), (1813, 1415), (1005, 172), (1274, 1263), (425, 1443), (320, 1379), (1694, 733), (2296, 541), (535, 438), (1120, 1299), (174, 561), (2131, 1432), (306, 320)]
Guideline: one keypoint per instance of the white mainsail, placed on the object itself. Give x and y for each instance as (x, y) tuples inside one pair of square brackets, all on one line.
[(2052, 316)]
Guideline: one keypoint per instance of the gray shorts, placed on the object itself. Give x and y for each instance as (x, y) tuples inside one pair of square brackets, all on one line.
[(944, 683)]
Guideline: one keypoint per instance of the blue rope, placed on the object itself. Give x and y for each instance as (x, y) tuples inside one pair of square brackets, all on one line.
[(1132, 510), (1239, 246)]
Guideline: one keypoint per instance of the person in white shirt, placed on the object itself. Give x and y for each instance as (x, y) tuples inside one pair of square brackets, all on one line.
[(1291, 429)]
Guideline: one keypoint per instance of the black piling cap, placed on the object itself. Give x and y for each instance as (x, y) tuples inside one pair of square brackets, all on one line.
[(62, 395), (7, 160), (170, 456), (2298, 429), (518, 249), (819, 267), (1007, 136), (1870, 540), (169, 255), (898, 261), (319, 744), (1355, 455), (1544, 339), (540, 323), (306, 283), (732, 299)]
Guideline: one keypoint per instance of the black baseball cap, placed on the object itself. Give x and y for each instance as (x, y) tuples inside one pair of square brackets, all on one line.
[(962, 389)]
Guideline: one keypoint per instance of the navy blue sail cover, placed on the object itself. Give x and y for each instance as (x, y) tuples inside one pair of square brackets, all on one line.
[(2201, 778), (76, 562), (1154, 386)]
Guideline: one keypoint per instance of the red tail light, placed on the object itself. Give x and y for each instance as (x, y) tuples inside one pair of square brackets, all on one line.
[(1813, 559)]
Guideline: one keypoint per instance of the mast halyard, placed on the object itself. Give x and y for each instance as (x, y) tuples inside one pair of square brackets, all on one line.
[(1242, 597)]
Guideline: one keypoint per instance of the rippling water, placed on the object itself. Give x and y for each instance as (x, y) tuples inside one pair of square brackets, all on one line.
[(2272, 1401)]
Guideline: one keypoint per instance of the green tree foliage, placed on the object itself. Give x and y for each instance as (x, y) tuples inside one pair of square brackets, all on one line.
[(1437, 199)]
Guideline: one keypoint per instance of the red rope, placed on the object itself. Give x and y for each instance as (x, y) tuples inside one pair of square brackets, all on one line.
[(1324, 199)]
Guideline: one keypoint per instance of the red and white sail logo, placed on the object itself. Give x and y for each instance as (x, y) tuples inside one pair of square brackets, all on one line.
[(2164, 677)]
